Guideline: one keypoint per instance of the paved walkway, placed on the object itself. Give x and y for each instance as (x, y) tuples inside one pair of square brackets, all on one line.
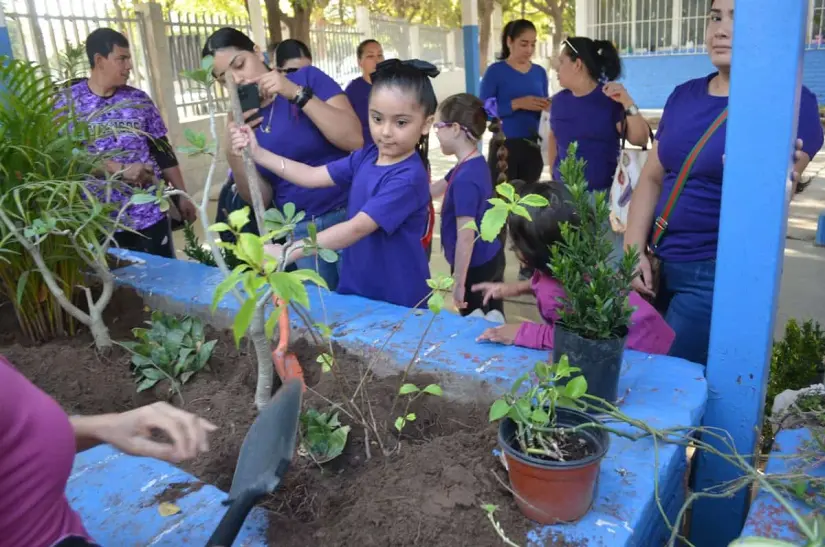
[(802, 295)]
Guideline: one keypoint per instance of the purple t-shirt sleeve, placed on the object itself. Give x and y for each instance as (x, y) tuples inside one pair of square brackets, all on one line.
[(466, 195), (489, 88), (155, 127), (342, 171), (810, 126), (395, 200), (322, 85)]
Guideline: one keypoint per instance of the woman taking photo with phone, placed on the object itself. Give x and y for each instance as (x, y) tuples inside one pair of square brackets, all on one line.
[(303, 116)]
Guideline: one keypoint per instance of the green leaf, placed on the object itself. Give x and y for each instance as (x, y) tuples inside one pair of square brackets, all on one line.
[(186, 376), (204, 353), (408, 388), (506, 190), (288, 287), (434, 389), (163, 205), (534, 200), (539, 416), (21, 286), (328, 255), (220, 227), (152, 374), (310, 275), (399, 423), (146, 384), (499, 410), (435, 303), (324, 329), (271, 322), (471, 226), (410, 417), (239, 218), (576, 387), (227, 285), (208, 63), (521, 211), (243, 319), (312, 232), (325, 360), (140, 199), (289, 210), (492, 222)]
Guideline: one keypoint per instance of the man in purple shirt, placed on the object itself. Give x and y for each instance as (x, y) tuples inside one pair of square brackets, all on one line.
[(126, 123)]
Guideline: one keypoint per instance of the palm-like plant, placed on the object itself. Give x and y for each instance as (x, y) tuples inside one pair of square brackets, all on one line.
[(52, 229)]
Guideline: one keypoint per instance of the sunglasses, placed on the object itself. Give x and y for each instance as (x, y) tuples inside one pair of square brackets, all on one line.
[(287, 70)]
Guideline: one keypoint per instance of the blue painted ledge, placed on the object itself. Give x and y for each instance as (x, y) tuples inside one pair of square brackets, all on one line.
[(767, 518), (111, 491)]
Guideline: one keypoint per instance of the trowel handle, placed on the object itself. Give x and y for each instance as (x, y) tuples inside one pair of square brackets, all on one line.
[(232, 521)]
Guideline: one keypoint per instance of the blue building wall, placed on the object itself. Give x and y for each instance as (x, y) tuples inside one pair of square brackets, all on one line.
[(650, 80)]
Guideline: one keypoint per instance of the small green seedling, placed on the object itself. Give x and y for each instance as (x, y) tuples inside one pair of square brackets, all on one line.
[(414, 392), (323, 435), (534, 410), (170, 349)]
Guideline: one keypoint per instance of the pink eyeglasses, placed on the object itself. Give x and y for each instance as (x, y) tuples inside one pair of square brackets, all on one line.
[(467, 132)]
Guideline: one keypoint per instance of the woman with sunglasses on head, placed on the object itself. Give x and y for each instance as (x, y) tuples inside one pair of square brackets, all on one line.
[(594, 111), (305, 117), (682, 229)]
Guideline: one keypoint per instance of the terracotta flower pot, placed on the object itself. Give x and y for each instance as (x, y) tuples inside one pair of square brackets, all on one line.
[(551, 492)]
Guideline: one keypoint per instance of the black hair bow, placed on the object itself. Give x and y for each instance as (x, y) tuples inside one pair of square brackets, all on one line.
[(391, 65)]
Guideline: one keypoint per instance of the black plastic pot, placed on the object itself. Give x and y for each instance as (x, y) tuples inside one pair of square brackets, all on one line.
[(551, 492), (600, 361)]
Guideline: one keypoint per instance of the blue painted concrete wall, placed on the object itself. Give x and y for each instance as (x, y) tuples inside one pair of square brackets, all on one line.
[(650, 80), (767, 518), (662, 391)]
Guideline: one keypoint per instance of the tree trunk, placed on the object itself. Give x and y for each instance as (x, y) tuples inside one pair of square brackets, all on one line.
[(485, 22), (263, 358), (558, 28), (273, 19), (299, 29)]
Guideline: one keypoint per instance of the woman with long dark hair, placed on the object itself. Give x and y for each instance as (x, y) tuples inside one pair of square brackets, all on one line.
[(520, 90), (676, 204), (305, 117), (369, 53)]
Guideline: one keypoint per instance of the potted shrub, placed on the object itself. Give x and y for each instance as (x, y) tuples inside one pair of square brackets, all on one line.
[(552, 451), (595, 315)]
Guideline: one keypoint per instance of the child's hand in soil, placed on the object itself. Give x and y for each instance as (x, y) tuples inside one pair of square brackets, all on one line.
[(505, 334), (132, 432)]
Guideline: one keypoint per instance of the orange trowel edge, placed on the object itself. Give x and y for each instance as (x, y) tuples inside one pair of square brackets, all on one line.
[(286, 364)]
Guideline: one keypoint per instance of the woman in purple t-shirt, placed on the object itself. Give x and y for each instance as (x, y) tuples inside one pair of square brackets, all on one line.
[(687, 248), (305, 117), (370, 53)]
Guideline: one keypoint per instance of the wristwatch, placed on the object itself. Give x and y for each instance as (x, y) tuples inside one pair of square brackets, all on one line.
[(302, 96), (632, 110)]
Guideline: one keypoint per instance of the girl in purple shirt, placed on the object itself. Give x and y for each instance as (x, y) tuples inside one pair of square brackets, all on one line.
[(533, 241), (370, 53), (466, 189), (389, 189), (687, 249), (304, 116)]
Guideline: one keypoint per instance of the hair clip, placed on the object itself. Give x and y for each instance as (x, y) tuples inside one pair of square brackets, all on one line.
[(491, 107)]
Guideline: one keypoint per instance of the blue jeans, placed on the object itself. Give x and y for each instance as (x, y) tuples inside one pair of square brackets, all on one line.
[(686, 300), (329, 272)]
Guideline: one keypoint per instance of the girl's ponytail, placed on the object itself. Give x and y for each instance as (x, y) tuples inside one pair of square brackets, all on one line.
[(501, 151)]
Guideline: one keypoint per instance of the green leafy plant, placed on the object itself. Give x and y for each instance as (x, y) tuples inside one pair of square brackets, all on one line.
[(324, 438), (534, 409), (595, 305), (170, 349), (414, 392), (797, 359), (508, 203), (194, 250), (53, 229)]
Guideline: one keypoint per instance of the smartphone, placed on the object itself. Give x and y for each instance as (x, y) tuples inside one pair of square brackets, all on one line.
[(250, 99)]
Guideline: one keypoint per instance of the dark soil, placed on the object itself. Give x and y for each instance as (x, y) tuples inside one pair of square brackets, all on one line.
[(428, 491)]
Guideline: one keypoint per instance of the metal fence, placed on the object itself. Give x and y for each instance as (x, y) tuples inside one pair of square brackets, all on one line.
[(433, 45), (334, 51), (187, 35), (817, 34), (394, 35), (42, 35)]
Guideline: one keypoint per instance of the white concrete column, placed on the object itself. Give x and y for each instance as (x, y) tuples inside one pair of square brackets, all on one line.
[(452, 57), (811, 5), (159, 60), (676, 24), (583, 17), (634, 38), (362, 21), (415, 42), (256, 19)]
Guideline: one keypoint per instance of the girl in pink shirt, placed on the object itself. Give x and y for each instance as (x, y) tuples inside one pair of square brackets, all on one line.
[(532, 241)]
